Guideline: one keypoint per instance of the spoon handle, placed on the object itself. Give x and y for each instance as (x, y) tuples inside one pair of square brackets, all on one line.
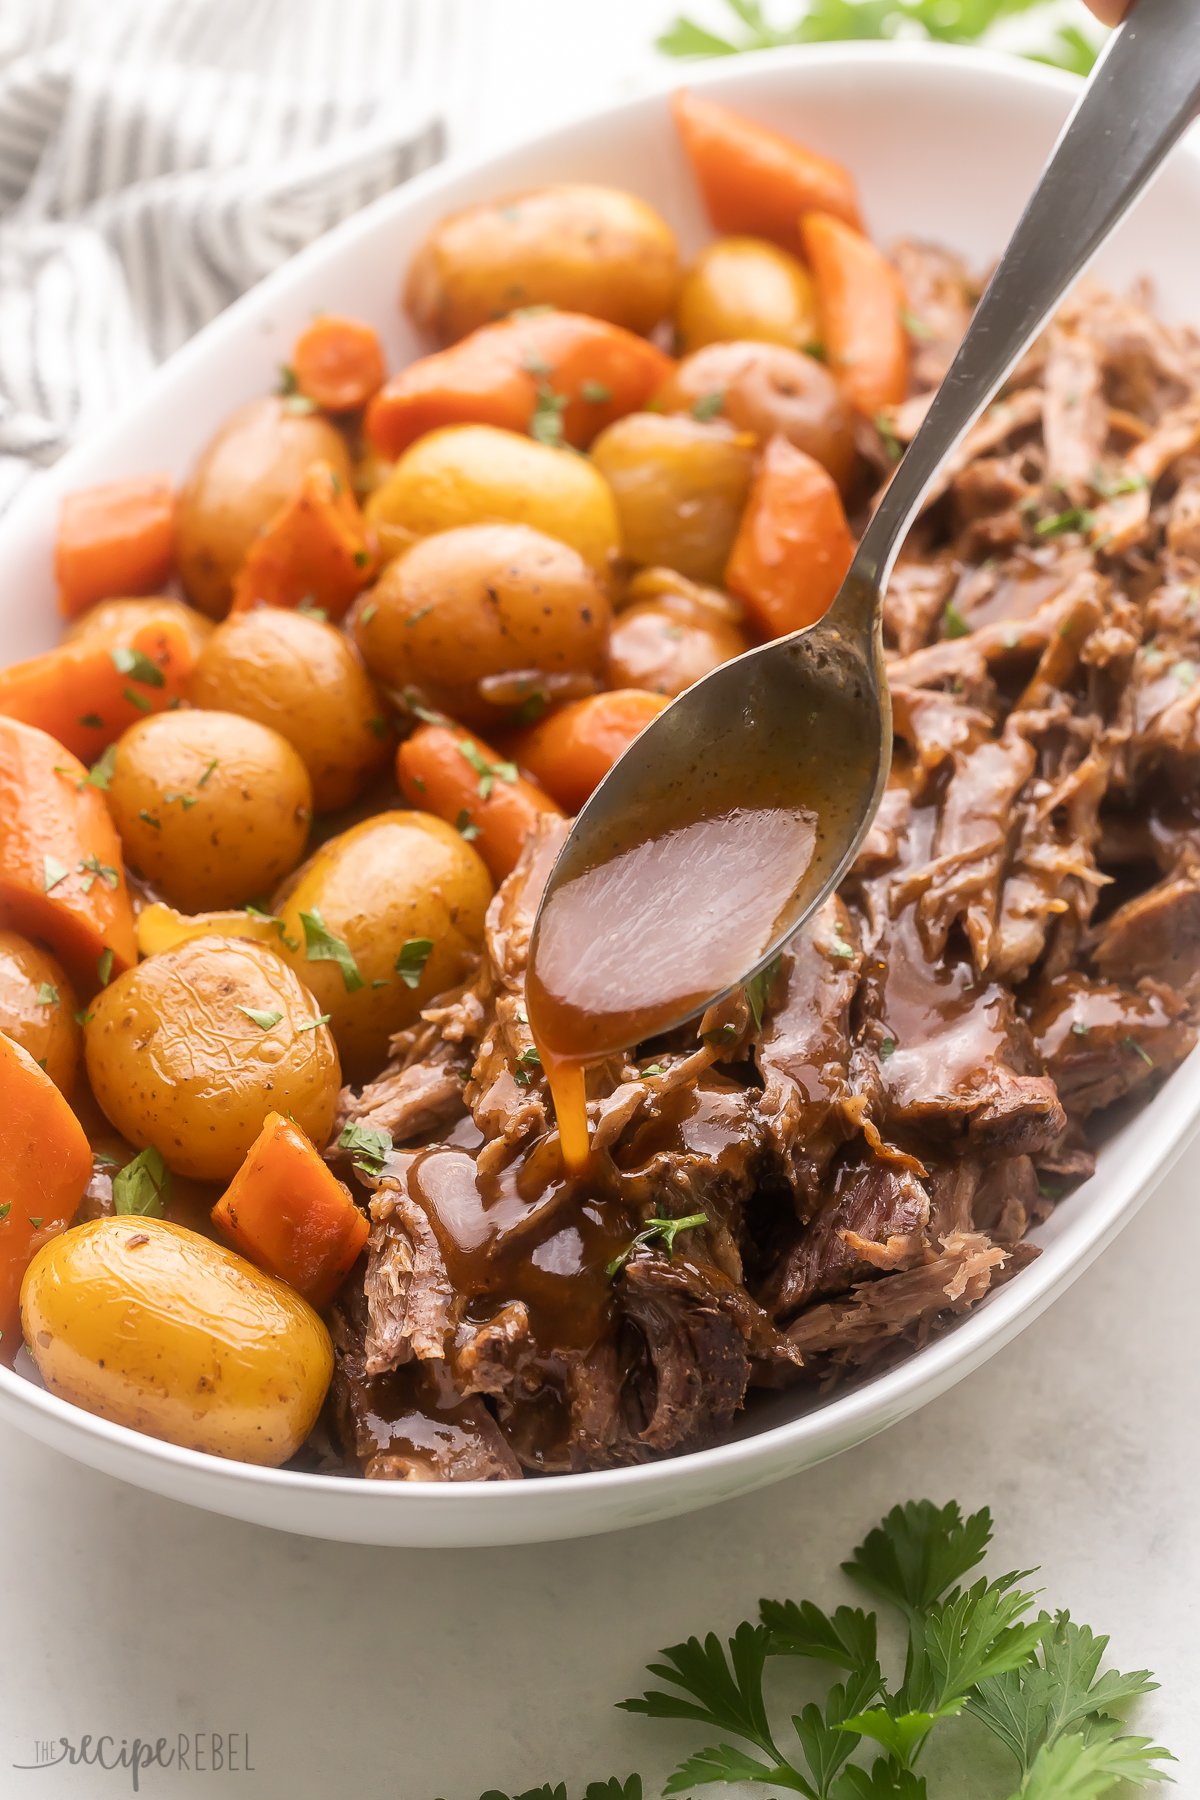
[(1143, 94)]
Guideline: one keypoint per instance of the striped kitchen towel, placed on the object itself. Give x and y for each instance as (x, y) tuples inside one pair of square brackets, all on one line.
[(159, 156)]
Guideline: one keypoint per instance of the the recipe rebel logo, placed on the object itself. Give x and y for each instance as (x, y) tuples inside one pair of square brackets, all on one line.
[(182, 1753)]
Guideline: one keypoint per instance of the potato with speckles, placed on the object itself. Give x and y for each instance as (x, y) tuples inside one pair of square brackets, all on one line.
[(383, 917), (300, 677), (680, 486), (191, 1049), (464, 610), (251, 468), (38, 1006), (153, 1326), (212, 809)]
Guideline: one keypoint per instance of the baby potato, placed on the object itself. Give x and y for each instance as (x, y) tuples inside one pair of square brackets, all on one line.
[(475, 474), (38, 1007), (191, 1049), (212, 809), (769, 390), (155, 1327), (250, 468), (115, 619), (585, 249), (671, 633), (742, 287), (301, 677), (477, 604), (383, 917), (680, 485)]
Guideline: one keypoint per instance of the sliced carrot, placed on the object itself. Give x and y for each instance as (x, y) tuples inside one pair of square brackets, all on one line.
[(85, 692), (286, 1212), (572, 749), (793, 545), (316, 550), (861, 301), (114, 540), (61, 875), (45, 1164), (338, 363), (756, 181), (448, 771), (575, 373)]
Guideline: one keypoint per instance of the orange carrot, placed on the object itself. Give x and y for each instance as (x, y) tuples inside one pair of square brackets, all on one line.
[(45, 1164), (114, 540), (287, 1213), (61, 875), (861, 301), (574, 373), (793, 545), (448, 771), (572, 749), (315, 550), (338, 363), (756, 181), (88, 690)]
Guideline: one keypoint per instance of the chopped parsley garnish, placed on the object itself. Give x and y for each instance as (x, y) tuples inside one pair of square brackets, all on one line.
[(377, 727), (299, 403), (264, 1020), (5, 1209), (309, 610), (546, 419), (1074, 518), (187, 801), (914, 326), (137, 700), (312, 1024), (489, 773), (148, 818), (203, 781), (410, 964), (47, 994), (663, 1231), (1079, 1029), (887, 1047), (93, 721), (368, 613), (1184, 671), (527, 1062), (101, 772), (596, 393), (53, 872), (887, 431), (1131, 1043), (758, 990), (708, 406), (465, 827), (1109, 487), (320, 945), (953, 623), (362, 559), (653, 1069), (143, 1186), (288, 384), (104, 966), (137, 665), (368, 1147)]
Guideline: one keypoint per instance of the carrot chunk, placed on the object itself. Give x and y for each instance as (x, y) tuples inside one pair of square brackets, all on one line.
[(61, 875), (114, 540), (338, 363), (315, 550), (572, 749), (85, 692), (861, 301), (45, 1164), (450, 772), (756, 181), (287, 1213), (563, 375), (793, 545)]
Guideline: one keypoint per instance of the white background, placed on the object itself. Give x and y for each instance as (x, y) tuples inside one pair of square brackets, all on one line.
[(368, 1674)]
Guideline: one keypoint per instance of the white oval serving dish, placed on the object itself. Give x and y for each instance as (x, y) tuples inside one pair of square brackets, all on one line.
[(946, 145)]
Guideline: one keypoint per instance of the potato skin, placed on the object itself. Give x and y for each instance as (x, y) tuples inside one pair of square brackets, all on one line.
[(246, 824), (680, 485), (395, 877), (153, 1326), (671, 633), (115, 618), (48, 1032), (300, 677), (480, 602), (253, 465), (768, 389), (176, 1062), (477, 474), (746, 288), (584, 249)]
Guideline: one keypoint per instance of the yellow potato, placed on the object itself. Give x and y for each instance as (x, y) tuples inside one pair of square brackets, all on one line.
[(38, 1007), (397, 879), (120, 618), (212, 809), (586, 249), (159, 927), (742, 287), (250, 468), (680, 485), (463, 610), (190, 1050), (768, 389), (671, 633), (301, 677), (476, 474), (157, 1328)]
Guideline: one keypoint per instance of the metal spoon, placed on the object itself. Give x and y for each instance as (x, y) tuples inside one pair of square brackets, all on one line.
[(786, 702)]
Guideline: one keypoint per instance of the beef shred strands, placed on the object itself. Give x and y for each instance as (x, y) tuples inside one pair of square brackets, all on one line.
[(823, 1174)]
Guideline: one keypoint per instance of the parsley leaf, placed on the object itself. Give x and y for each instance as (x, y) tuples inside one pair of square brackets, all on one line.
[(953, 623), (101, 772), (709, 406), (546, 419), (596, 393), (918, 1552), (368, 1146), (489, 773), (47, 995), (264, 1020), (410, 964), (758, 990), (845, 1638), (143, 1186), (52, 873), (665, 1229), (137, 665), (1084, 1766), (320, 945)]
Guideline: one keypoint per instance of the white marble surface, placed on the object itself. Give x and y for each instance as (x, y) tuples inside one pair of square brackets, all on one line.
[(363, 1673)]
